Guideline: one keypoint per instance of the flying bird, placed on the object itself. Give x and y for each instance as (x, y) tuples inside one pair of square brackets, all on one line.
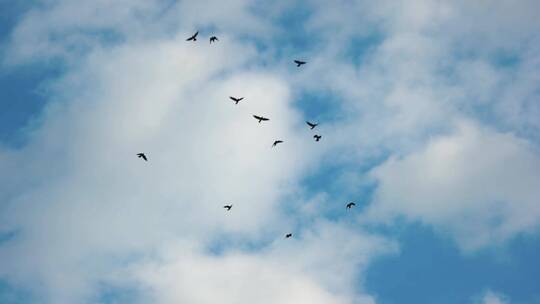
[(228, 207), (317, 137), (213, 39), (299, 63), (312, 125), (141, 155), (288, 235), (194, 37), (350, 205), (235, 99), (260, 118), (277, 142)]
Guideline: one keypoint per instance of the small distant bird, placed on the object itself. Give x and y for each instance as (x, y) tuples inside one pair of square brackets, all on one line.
[(141, 155), (299, 63), (277, 142), (228, 207), (312, 125), (235, 99), (194, 37), (288, 235), (350, 205), (260, 118), (317, 137), (213, 39)]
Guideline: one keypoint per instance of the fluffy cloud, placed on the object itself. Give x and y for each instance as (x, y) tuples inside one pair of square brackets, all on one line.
[(287, 272), (491, 297), (480, 186), (97, 215)]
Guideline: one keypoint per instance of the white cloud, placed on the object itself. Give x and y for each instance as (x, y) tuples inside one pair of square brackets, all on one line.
[(491, 297), (480, 186), (291, 270), (97, 215), (77, 195)]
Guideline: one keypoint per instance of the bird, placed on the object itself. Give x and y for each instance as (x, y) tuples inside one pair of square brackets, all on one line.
[(228, 207), (235, 99), (299, 63), (141, 155), (349, 205), (288, 235), (312, 125), (317, 137), (194, 37), (260, 118), (277, 142), (213, 39)]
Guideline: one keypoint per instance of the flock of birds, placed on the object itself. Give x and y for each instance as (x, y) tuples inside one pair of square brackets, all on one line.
[(260, 119)]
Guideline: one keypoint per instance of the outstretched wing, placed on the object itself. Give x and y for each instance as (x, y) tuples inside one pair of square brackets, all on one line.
[(260, 118), (193, 37), (141, 155)]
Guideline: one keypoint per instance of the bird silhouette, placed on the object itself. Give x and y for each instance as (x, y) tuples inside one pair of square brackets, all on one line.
[(299, 63), (277, 142), (260, 118), (228, 207), (213, 39), (288, 235), (194, 37), (317, 137), (141, 155), (349, 205), (312, 125), (235, 99)]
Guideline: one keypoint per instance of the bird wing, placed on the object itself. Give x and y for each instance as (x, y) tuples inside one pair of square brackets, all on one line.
[(258, 117), (264, 118), (193, 37)]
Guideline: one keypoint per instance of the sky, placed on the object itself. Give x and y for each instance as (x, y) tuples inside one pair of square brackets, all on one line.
[(428, 112)]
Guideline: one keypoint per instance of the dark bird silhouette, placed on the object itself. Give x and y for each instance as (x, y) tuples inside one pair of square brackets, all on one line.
[(213, 39), (194, 37), (317, 137), (228, 207), (288, 235), (299, 63), (312, 125), (235, 99), (350, 205), (141, 155), (277, 142), (260, 118)]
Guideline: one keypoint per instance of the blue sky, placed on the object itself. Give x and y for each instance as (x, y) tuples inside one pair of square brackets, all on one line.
[(428, 113)]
